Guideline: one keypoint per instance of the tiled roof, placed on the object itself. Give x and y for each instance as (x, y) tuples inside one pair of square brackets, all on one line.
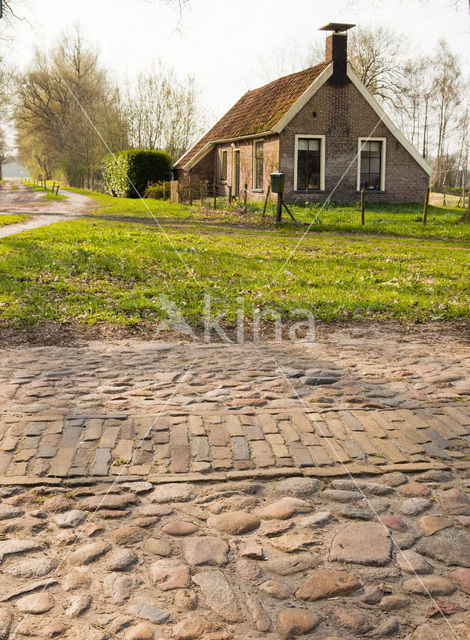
[(258, 110)]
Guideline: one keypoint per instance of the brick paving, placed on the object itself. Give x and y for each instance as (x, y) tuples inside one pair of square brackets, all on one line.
[(156, 409)]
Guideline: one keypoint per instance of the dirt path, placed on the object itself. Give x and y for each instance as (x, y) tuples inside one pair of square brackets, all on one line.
[(17, 198)]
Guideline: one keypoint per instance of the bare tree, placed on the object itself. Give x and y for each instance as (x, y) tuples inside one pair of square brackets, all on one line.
[(446, 98), (164, 112), (62, 100)]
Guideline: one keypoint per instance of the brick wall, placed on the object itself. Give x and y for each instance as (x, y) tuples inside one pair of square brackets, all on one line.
[(343, 115), (271, 163), (210, 167)]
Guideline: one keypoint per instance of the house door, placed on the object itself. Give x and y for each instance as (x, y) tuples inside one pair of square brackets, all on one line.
[(236, 173)]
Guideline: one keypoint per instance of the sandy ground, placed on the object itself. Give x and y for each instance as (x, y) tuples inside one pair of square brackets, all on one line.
[(24, 200)]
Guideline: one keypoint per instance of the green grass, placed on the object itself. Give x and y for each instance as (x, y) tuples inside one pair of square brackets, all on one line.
[(12, 219), (14, 187), (34, 187), (381, 218), (48, 195), (53, 196), (92, 271)]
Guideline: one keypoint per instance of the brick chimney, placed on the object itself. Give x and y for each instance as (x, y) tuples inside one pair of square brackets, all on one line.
[(337, 50)]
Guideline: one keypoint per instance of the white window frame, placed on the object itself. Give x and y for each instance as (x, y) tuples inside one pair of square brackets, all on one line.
[(322, 139), (253, 168), (383, 157)]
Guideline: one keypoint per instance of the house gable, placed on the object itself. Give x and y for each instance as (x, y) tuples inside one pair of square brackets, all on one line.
[(340, 116)]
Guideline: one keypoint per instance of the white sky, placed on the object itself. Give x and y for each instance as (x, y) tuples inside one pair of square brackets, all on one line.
[(227, 44)]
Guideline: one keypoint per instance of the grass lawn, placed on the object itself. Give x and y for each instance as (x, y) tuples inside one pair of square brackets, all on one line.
[(54, 197), (48, 195), (93, 270), (381, 218), (7, 219)]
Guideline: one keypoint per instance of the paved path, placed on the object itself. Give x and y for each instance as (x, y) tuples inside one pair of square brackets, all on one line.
[(153, 409), (183, 491)]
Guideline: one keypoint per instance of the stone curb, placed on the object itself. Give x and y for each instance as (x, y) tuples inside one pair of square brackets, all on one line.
[(280, 472)]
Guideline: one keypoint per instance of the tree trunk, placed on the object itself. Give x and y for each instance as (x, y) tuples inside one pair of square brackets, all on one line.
[(466, 215)]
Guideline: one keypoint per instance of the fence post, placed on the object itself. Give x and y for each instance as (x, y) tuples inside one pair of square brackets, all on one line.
[(245, 206), (53, 187), (215, 195), (202, 194), (230, 195), (57, 190), (266, 202), (425, 209), (363, 206), (190, 194), (279, 208), (174, 191)]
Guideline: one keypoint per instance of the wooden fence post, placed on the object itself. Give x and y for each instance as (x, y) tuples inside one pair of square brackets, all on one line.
[(53, 187), (363, 206), (425, 209), (215, 195), (245, 205), (57, 190), (230, 194), (266, 202), (202, 194), (174, 191), (279, 208)]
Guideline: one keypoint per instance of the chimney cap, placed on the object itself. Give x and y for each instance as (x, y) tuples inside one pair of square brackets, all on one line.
[(337, 27)]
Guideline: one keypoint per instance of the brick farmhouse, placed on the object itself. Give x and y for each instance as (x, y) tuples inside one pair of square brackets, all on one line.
[(322, 128)]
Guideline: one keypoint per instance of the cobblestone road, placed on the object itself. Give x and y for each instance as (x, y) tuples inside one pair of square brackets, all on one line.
[(154, 491), (152, 409)]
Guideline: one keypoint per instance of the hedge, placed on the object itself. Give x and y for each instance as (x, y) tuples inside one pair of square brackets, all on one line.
[(127, 173)]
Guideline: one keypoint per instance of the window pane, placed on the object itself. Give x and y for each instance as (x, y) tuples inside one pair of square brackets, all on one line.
[(374, 165), (302, 170), (258, 168), (308, 169), (303, 144), (365, 146), (375, 180), (371, 165), (223, 172), (314, 145)]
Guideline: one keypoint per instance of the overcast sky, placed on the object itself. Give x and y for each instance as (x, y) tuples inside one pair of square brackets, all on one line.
[(227, 44)]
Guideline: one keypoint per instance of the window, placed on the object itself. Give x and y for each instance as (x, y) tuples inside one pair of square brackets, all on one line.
[(223, 171), (371, 170), (309, 163), (236, 173), (258, 165)]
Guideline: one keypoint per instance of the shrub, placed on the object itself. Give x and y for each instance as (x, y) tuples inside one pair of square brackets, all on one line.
[(126, 174), (158, 191)]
